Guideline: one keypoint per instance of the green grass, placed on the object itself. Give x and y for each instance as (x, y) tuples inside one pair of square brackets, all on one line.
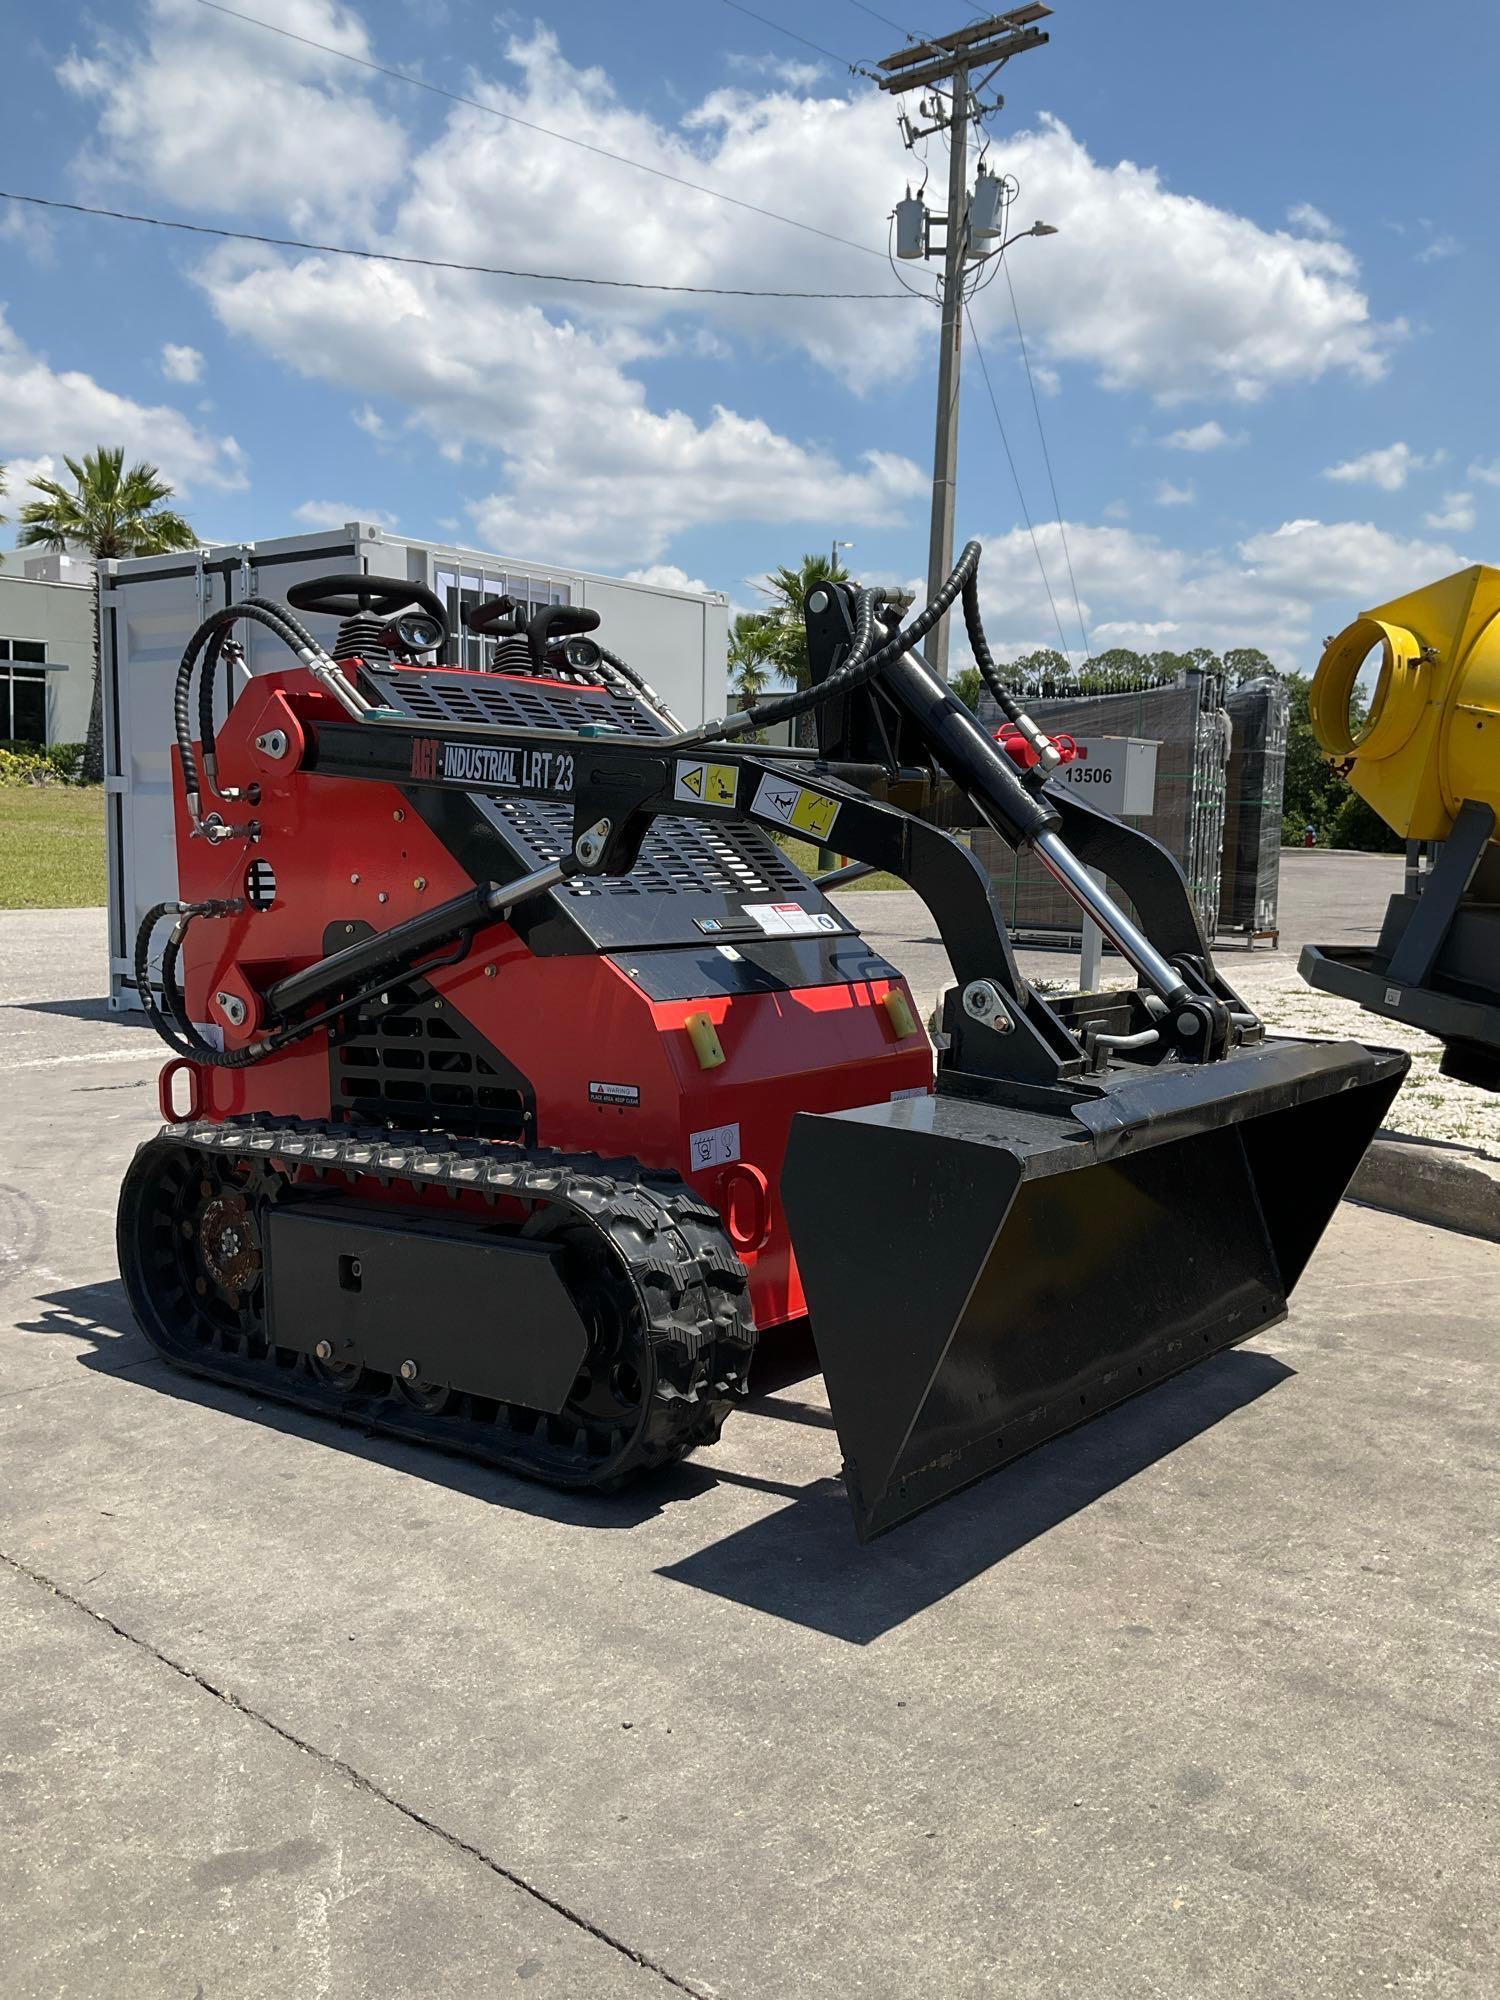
[(51, 847)]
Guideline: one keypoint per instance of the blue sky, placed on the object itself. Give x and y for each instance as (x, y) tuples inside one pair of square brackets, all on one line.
[(1264, 335)]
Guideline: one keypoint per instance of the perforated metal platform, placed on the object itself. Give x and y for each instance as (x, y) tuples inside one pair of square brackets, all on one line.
[(680, 857)]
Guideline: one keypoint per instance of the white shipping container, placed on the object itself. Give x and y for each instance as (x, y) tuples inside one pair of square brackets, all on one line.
[(150, 606)]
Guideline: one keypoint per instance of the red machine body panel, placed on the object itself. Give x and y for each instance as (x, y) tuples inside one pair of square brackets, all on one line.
[(613, 1070)]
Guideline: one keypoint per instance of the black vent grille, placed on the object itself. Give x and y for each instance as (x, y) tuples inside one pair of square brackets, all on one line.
[(417, 1063), (679, 856), (501, 702)]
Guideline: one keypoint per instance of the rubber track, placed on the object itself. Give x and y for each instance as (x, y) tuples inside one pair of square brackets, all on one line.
[(692, 1289)]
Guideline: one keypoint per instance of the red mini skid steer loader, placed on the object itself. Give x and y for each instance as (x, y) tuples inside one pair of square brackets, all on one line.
[(520, 1079)]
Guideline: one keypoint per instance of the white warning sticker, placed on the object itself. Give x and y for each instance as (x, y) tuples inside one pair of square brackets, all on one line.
[(705, 784), (806, 812), (790, 919), (717, 1147), (920, 1090)]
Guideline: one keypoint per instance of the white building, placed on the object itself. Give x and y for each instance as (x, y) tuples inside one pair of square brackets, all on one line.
[(46, 647)]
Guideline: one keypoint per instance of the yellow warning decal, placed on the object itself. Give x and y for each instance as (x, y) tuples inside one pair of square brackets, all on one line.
[(795, 806), (708, 784)]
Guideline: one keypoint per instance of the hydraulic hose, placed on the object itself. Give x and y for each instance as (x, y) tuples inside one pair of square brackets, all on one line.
[(641, 685), (859, 667), (215, 628), (1046, 750), (178, 1032)]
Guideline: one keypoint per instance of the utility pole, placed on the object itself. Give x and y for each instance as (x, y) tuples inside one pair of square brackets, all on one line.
[(944, 66), (950, 359)]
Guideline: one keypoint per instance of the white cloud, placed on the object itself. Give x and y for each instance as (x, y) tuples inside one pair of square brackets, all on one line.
[(1152, 289), (1455, 516), (798, 76), (667, 576), (370, 421), (1439, 246), (334, 514), (181, 364), (1168, 495), (536, 389), (47, 410), (1303, 215), (1116, 510), (1388, 467), (591, 473), (20, 477), (1169, 294), (1210, 436), (1488, 475), (227, 119), (1280, 589)]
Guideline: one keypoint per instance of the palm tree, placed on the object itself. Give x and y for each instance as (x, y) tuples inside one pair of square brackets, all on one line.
[(111, 512), (787, 590), (752, 654)]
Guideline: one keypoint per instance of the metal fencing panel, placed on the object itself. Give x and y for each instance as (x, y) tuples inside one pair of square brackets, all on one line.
[(1187, 720), (1256, 786)]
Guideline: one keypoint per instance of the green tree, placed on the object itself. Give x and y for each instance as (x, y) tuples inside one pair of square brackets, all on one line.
[(787, 590), (752, 654), (1043, 672), (968, 685), (1249, 663), (110, 512)]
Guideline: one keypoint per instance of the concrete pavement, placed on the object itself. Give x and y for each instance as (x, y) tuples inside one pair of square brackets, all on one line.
[(1196, 1701)]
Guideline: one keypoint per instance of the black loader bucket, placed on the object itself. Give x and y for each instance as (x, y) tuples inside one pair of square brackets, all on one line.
[(982, 1275)]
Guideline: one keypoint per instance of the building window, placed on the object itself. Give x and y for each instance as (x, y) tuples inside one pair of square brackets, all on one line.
[(460, 591), (23, 691)]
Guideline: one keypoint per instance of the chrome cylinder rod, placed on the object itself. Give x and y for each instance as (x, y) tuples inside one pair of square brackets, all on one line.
[(503, 898), (1127, 938)]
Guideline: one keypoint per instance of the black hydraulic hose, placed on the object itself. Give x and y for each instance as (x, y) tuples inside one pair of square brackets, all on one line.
[(859, 667), (641, 685), (288, 629), (207, 736), (983, 659), (179, 1033)]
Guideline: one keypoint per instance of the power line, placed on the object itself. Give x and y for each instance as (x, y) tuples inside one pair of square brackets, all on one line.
[(781, 28), (984, 369), (1047, 459), (910, 33), (543, 131), (431, 263)]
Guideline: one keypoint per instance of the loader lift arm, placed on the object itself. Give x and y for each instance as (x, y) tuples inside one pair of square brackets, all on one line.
[(616, 787)]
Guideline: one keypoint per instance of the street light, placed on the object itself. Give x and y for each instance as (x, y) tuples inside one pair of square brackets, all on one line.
[(1036, 229), (833, 554)]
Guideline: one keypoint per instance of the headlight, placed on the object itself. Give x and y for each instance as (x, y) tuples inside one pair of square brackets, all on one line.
[(581, 654), (417, 633)]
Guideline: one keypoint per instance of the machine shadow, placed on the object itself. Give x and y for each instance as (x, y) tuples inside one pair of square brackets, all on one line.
[(84, 1010), (100, 1314), (801, 1562)]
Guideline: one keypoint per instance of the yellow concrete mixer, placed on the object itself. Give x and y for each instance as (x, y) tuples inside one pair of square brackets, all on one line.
[(1427, 759)]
